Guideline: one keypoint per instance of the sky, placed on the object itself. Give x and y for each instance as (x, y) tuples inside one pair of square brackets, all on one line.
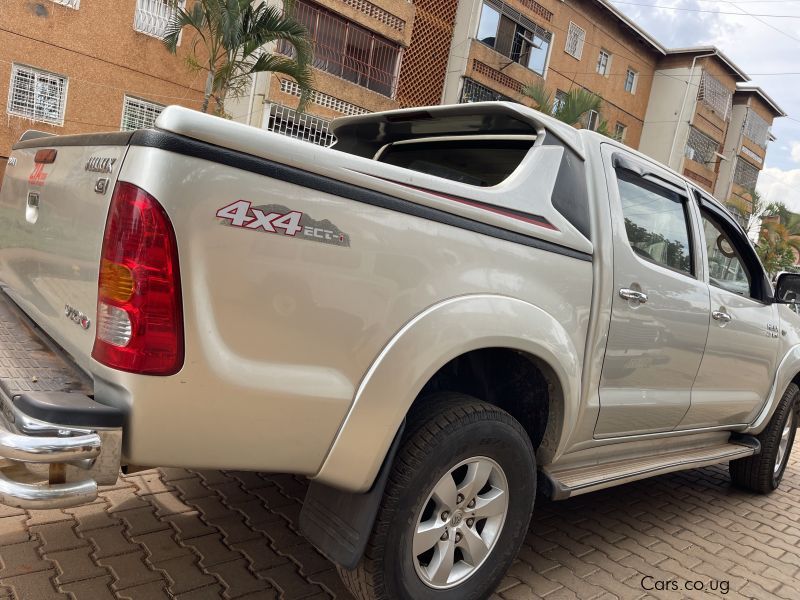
[(758, 45)]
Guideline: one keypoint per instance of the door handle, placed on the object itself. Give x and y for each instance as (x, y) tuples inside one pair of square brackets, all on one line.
[(720, 316), (629, 294)]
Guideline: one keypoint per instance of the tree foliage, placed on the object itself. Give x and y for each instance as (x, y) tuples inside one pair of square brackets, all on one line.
[(228, 39), (577, 103)]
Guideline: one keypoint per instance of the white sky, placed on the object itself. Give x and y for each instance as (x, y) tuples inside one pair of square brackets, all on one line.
[(758, 48)]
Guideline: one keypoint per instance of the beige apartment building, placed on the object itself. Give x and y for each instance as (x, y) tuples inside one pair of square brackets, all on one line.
[(75, 66), (705, 122)]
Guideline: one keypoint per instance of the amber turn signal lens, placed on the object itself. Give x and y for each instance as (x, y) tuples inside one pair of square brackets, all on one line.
[(116, 281)]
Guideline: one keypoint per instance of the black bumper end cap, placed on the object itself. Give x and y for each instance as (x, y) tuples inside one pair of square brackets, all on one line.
[(73, 410)]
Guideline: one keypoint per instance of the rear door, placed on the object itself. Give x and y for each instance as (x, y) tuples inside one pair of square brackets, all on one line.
[(660, 309), (743, 341), (52, 216)]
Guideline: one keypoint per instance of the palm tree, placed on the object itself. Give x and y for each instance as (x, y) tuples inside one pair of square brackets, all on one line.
[(577, 103), (228, 42)]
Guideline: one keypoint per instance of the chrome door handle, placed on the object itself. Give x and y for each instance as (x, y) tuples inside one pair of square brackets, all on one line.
[(629, 294), (720, 316)]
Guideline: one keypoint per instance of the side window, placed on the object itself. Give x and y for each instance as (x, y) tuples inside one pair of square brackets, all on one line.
[(726, 269), (656, 221)]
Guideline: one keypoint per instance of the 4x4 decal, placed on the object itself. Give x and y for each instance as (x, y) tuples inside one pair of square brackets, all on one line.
[(277, 219)]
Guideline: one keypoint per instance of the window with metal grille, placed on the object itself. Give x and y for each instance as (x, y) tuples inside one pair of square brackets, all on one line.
[(70, 3), (139, 114), (700, 148), (37, 95), (756, 128), (631, 78), (514, 35), (713, 93), (592, 119), (290, 87), (152, 17), (559, 100), (348, 50), (745, 175), (475, 92), (619, 132), (284, 120), (603, 63), (576, 36)]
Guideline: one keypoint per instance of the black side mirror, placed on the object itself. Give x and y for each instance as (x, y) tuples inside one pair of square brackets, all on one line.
[(787, 288)]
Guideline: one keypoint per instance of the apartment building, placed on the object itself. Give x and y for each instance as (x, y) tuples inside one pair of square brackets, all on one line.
[(745, 148), (75, 66), (369, 55), (705, 122), (500, 46)]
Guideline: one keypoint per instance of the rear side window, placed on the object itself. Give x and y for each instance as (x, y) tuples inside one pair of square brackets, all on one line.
[(481, 163), (656, 222)]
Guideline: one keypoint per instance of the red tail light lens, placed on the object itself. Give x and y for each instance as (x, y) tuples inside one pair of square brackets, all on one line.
[(139, 314)]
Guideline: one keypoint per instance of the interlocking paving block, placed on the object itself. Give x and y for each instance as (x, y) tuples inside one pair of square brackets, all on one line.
[(75, 565), (38, 586), (130, 570), (21, 559), (184, 574)]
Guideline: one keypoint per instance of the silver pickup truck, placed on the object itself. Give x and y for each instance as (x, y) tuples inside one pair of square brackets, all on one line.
[(453, 309)]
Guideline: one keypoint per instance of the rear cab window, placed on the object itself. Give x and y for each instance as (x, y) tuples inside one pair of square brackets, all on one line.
[(481, 162)]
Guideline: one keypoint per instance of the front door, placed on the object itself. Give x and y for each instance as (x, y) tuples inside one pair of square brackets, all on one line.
[(742, 349), (660, 309)]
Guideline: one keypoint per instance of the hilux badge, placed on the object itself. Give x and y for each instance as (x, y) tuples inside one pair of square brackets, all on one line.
[(100, 164)]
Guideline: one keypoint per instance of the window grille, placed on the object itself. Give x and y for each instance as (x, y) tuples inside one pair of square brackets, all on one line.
[(475, 92), (756, 128), (306, 127), (152, 17), (701, 148), (575, 39), (347, 50), (603, 62), (139, 114), (630, 81), (592, 120), (619, 132), (713, 93), (745, 175), (69, 3), (37, 95), (290, 87)]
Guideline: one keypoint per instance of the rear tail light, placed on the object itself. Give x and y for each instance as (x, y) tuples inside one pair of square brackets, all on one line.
[(45, 157), (139, 314)]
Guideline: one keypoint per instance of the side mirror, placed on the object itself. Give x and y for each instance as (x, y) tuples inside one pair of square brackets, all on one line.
[(787, 288)]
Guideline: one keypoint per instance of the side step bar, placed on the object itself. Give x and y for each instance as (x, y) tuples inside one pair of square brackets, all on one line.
[(581, 480)]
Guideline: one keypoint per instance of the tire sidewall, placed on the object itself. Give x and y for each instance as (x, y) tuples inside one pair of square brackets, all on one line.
[(496, 440), (791, 414)]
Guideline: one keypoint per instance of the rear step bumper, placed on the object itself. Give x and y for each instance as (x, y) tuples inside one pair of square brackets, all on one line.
[(57, 444)]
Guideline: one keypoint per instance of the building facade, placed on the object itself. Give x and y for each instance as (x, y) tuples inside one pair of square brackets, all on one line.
[(501, 46), (369, 55), (76, 66)]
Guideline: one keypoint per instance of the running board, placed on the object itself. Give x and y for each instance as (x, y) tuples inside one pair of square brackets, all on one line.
[(581, 480)]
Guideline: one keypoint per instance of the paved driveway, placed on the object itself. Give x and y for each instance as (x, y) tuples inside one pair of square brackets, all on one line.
[(172, 533)]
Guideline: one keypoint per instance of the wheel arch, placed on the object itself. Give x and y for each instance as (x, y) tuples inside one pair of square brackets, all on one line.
[(455, 332)]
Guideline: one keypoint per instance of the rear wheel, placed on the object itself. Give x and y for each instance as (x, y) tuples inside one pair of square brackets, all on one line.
[(763, 473), (456, 508)]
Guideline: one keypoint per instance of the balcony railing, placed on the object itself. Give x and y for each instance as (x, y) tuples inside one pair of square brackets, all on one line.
[(152, 17), (347, 50)]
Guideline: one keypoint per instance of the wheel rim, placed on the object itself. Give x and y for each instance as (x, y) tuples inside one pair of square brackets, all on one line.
[(783, 445), (460, 522)]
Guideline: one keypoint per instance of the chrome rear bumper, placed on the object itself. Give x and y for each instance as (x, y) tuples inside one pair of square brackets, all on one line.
[(45, 465)]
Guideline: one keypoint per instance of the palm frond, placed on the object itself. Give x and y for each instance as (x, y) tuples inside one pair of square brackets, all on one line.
[(540, 96), (577, 103)]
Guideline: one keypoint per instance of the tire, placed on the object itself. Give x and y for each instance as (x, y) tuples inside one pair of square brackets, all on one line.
[(444, 432), (763, 473)]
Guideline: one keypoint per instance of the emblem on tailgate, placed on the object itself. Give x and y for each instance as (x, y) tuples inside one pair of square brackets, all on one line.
[(77, 317), (277, 219), (100, 164), (12, 162)]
